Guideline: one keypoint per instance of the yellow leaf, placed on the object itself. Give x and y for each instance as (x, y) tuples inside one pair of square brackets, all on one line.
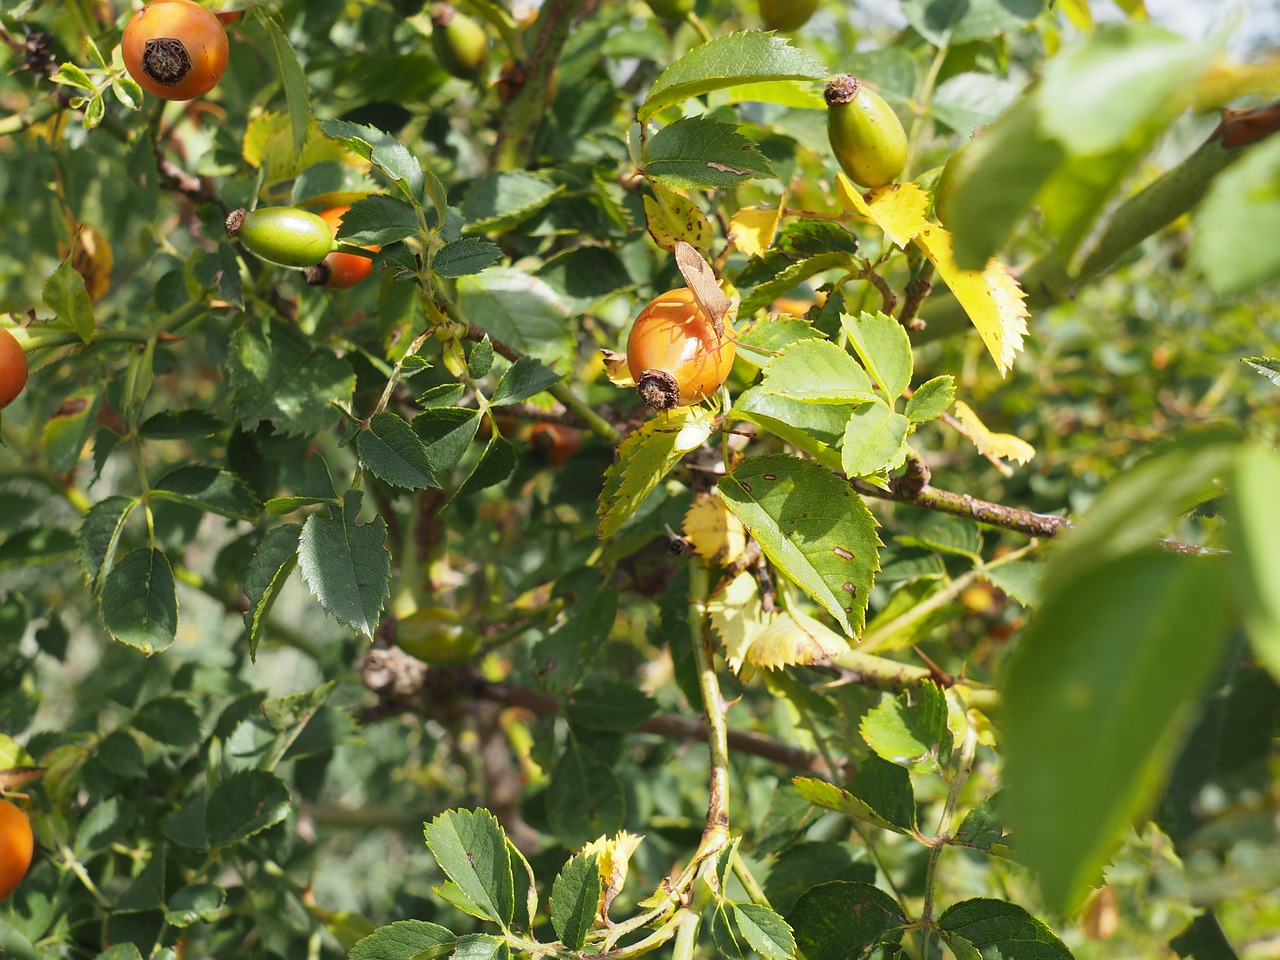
[(737, 618), (268, 143), (1078, 12), (671, 217), (616, 369), (896, 208), (716, 534), (1003, 445), (1134, 8), (752, 229), (991, 297), (91, 258), (794, 639), (615, 858)]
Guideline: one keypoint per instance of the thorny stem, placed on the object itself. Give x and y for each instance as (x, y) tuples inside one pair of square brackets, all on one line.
[(716, 832), (942, 838)]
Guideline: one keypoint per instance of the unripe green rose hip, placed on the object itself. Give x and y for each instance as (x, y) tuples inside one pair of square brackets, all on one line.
[(787, 15), (288, 236), (866, 135), (461, 45)]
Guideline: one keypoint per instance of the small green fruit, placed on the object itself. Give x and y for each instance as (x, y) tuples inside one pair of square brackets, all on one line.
[(787, 15), (461, 45), (437, 635), (672, 9), (866, 135), (287, 236)]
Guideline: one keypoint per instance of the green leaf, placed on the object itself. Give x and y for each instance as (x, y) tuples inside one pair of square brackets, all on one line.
[(471, 849), (67, 431), (644, 458), (1137, 509), (960, 21), (1203, 939), (838, 920), (766, 932), (875, 440), (39, 545), (386, 153), (244, 804), (171, 720), (698, 152), (347, 565), (911, 728), (480, 362), (816, 371), (211, 490), (613, 705), (269, 570), (575, 896), (879, 793), (1156, 68), (729, 61), (1094, 696), (496, 464), (195, 903), (322, 182), (1019, 579), (180, 425), (525, 378), (392, 452), (983, 829), (405, 940), (72, 76), (295, 709), (931, 399), (147, 890), (447, 432), (585, 798), (808, 863), (1237, 245), (519, 310), (444, 395), (465, 257), (1255, 542), (882, 345), (814, 428), (65, 295), (761, 341), (100, 535), (954, 535), (139, 601), (481, 946), (971, 100), (293, 79), (789, 277), (584, 275), (499, 201), (1002, 929), (994, 179), (277, 374), (378, 220), (813, 527), (1267, 366)]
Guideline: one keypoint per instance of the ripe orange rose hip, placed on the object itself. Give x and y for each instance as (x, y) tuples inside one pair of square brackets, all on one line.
[(13, 368), (674, 353), (175, 49), (339, 270), (16, 846)]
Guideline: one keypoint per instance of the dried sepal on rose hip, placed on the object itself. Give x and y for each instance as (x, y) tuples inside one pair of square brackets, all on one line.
[(675, 352), (286, 236), (175, 49), (866, 135)]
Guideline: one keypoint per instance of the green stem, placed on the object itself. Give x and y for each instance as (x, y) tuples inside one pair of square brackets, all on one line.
[(597, 424), (923, 102), (968, 749), (878, 637), (884, 674), (17, 122)]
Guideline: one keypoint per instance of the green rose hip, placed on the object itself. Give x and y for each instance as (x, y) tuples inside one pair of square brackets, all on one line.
[(866, 135), (287, 236), (461, 45)]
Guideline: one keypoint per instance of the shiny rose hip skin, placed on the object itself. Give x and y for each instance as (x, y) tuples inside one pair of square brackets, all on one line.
[(866, 135), (674, 352)]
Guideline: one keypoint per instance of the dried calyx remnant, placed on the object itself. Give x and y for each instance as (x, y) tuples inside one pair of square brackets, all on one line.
[(841, 89), (166, 60), (659, 389)]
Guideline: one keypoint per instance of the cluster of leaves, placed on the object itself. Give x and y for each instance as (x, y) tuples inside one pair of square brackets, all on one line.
[(199, 426)]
